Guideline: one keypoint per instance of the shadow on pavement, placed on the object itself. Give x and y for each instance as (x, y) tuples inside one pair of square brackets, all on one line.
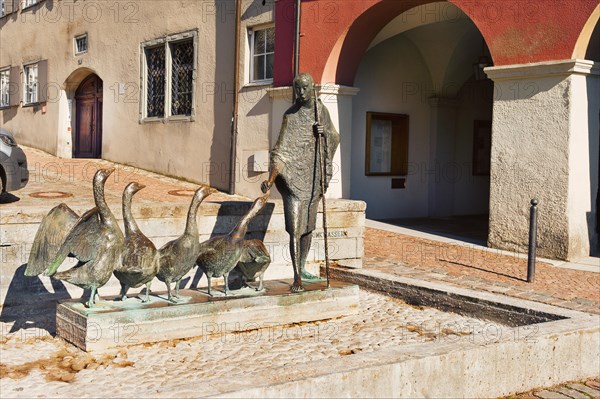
[(8, 198), (30, 305)]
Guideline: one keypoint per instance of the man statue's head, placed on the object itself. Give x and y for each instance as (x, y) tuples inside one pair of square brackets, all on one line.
[(303, 87)]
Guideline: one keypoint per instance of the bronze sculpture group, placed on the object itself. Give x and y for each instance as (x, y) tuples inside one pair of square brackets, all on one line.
[(96, 241), (300, 167)]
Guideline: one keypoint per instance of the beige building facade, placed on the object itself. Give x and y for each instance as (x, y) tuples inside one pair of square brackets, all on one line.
[(164, 86)]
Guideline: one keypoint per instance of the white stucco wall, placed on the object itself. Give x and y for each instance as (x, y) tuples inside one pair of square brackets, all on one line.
[(471, 193), (392, 78), (584, 150)]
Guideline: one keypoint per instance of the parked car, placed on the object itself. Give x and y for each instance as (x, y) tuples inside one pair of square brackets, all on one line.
[(13, 163)]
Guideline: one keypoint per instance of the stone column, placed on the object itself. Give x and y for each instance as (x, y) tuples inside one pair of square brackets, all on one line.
[(338, 100), (441, 155), (545, 146)]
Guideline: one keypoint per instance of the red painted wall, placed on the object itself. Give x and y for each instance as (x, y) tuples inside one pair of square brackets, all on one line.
[(515, 31)]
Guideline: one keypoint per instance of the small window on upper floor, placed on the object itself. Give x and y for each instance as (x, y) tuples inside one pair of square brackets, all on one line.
[(81, 44), (262, 51), (30, 84), (5, 87), (35, 83)]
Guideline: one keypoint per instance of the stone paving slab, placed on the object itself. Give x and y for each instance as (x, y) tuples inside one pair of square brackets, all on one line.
[(594, 393), (570, 390), (571, 393), (545, 394)]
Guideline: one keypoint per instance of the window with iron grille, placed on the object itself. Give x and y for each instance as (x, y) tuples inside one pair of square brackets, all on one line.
[(155, 86), (169, 70), (5, 88), (81, 44), (262, 53), (182, 67), (30, 83)]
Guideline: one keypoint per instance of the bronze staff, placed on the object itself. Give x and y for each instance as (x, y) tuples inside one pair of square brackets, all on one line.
[(322, 143)]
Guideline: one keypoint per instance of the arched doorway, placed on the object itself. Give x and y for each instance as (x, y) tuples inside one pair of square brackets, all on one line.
[(88, 118), (427, 72)]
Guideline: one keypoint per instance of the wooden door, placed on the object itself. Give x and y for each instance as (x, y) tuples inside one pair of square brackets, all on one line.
[(88, 118)]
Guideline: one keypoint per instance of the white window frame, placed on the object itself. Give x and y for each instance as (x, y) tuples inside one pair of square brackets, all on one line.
[(28, 3), (14, 9), (251, 34), (87, 44), (5, 87), (167, 41), (30, 95)]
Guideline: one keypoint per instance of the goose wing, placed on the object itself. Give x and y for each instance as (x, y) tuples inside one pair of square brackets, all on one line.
[(253, 251), (82, 239), (207, 248), (50, 236), (84, 275)]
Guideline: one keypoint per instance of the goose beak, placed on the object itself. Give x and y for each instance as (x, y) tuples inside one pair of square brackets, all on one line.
[(103, 174), (209, 190), (135, 186)]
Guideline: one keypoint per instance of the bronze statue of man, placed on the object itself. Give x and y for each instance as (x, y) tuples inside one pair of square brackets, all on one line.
[(295, 168)]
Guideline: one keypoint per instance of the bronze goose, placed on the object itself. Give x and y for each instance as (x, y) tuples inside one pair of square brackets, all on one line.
[(219, 255), (95, 240), (139, 262), (177, 257), (254, 261)]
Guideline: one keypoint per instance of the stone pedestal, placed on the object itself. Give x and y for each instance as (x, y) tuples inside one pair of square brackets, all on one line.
[(121, 323)]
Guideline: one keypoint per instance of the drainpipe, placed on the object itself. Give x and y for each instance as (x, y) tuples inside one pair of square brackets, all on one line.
[(236, 83)]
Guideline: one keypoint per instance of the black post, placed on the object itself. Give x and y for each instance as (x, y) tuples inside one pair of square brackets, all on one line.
[(532, 241)]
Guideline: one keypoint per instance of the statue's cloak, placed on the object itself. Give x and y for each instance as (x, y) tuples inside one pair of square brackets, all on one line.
[(297, 160)]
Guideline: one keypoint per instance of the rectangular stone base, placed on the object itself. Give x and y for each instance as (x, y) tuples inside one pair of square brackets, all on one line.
[(113, 323)]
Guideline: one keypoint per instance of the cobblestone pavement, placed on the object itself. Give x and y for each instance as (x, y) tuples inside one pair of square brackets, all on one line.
[(48, 367), (470, 267)]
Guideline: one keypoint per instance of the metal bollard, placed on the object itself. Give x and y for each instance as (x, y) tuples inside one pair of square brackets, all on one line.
[(532, 241)]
